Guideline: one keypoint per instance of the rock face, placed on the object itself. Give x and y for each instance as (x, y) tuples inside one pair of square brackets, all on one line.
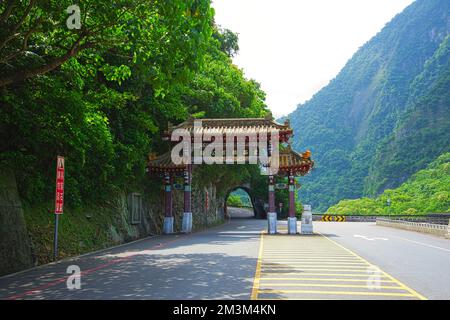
[(15, 251)]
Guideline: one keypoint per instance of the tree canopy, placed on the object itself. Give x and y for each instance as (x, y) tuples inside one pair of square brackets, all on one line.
[(101, 95)]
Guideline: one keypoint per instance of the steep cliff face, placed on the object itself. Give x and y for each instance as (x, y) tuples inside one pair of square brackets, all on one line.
[(385, 115)]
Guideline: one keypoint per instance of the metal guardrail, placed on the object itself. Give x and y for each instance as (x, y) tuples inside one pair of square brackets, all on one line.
[(436, 229), (416, 224)]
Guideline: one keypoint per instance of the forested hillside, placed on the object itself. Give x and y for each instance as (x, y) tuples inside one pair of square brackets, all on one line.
[(138, 66), (426, 191), (386, 115), (100, 96)]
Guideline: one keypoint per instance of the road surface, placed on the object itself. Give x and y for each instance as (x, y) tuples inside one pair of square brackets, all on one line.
[(237, 261)]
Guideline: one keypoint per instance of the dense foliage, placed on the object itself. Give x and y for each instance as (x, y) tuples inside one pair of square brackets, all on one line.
[(386, 115), (101, 95), (427, 191)]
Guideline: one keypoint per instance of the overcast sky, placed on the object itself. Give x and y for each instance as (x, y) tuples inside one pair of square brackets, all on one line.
[(295, 47)]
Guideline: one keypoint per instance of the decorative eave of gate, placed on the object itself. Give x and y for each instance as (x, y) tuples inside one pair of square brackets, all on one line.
[(163, 164), (290, 163), (294, 163)]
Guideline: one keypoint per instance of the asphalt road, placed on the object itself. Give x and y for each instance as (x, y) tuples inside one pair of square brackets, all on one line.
[(237, 261)]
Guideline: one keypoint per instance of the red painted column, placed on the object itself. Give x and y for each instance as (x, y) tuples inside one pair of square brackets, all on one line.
[(272, 194), (291, 196)]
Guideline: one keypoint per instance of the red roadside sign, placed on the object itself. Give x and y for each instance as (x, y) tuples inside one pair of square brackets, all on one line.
[(59, 196)]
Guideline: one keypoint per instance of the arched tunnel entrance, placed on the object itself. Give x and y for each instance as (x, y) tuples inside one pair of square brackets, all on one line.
[(241, 203)]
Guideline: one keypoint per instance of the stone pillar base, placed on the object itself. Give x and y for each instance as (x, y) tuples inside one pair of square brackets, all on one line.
[(292, 225), (168, 225), (307, 229), (186, 226), (272, 222)]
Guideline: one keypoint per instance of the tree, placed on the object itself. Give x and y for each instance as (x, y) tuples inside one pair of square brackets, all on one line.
[(34, 37)]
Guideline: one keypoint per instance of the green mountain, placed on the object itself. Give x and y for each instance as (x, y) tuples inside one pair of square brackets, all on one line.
[(426, 191), (386, 115)]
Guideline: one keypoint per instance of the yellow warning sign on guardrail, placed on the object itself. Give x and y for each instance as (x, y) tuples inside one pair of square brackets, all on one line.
[(328, 218)]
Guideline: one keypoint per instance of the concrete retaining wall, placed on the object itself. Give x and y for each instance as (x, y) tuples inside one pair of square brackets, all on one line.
[(436, 229)]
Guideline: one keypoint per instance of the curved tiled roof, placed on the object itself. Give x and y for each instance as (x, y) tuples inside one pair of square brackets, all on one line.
[(233, 126)]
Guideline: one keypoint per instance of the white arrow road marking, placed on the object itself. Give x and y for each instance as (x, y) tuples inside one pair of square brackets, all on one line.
[(370, 239)]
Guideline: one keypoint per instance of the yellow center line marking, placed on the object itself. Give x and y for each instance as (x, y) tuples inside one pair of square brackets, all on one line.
[(255, 288), (413, 292), (352, 293)]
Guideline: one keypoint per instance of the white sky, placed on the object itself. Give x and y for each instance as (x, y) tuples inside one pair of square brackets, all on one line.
[(295, 47)]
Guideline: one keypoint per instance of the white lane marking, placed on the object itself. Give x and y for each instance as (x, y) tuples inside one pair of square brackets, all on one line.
[(370, 239), (423, 244)]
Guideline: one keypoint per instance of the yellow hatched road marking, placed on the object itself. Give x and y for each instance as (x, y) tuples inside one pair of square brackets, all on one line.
[(300, 261), (316, 267), (307, 257), (285, 256), (413, 292), (325, 285), (356, 293), (321, 279), (332, 264), (320, 274)]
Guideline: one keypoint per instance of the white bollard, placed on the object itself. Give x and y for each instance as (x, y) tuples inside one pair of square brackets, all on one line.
[(272, 222), (186, 225), (292, 225), (307, 227), (168, 225)]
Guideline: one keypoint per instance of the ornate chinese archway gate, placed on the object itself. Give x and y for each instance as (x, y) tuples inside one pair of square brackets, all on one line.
[(289, 163)]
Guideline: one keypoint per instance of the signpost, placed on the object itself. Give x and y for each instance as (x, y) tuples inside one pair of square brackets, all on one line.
[(59, 201)]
